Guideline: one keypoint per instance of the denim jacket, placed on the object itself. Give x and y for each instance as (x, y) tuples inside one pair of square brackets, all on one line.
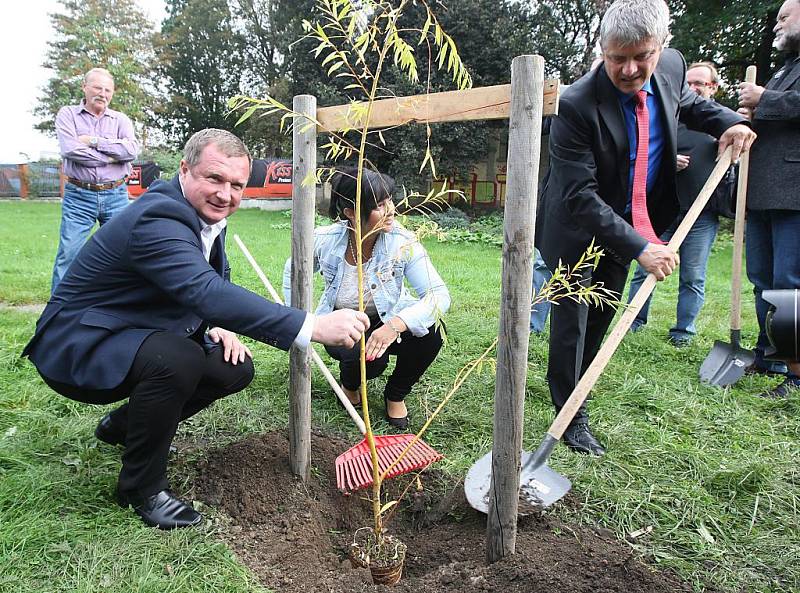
[(397, 255)]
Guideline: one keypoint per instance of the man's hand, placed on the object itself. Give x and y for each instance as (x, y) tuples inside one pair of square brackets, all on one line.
[(84, 139), (681, 162), (233, 350), (738, 136), (340, 328), (745, 112), (750, 94), (659, 260)]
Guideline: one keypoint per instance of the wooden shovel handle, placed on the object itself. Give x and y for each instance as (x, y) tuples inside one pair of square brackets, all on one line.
[(337, 389), (614, 339), (738, 235)]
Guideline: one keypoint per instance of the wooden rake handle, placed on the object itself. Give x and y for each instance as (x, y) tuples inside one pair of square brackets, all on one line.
[(314, 356), (738, 236), (614, 339)]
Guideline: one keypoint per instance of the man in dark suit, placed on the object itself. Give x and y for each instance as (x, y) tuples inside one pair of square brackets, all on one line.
[(131, 319), (773, 202), (595, 191)]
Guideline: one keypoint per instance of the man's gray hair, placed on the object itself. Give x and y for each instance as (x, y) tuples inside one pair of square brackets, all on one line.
[(628, 22), (102, 71), (229, 144)]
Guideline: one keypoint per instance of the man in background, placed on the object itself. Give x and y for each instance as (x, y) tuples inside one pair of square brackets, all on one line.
[(97, 146), (773, 194)]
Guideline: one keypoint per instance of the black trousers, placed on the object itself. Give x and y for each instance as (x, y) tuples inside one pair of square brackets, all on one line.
[(171, 379), (414, 356), (577, 332)]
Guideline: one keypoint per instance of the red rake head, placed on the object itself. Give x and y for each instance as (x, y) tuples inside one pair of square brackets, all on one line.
[(354, 466)]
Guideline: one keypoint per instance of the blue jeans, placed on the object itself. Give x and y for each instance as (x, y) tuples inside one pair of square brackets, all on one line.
[(694, 254), (541, 275), (773, 259), (79, 210)]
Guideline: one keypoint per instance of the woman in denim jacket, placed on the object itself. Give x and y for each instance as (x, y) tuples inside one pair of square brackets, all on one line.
[(402, 325)]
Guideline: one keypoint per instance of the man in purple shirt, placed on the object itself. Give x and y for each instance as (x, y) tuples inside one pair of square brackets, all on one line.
[(97, 145)]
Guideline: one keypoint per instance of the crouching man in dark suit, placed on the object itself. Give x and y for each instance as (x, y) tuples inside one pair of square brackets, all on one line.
[(612, 179), (131, 319)]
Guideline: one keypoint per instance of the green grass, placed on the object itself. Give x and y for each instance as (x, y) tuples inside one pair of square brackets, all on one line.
[(713, 472)]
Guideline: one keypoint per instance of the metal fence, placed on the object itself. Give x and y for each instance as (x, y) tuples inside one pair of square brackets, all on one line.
[(34, 180), (11, 181), (44, 180)]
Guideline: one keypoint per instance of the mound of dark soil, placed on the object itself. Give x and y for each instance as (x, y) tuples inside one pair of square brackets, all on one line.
[(295, 536)]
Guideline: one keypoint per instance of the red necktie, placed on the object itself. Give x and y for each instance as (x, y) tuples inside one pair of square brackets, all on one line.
[(641, 220)]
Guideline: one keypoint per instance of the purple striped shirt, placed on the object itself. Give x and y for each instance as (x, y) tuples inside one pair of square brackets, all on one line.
[(116, 144)]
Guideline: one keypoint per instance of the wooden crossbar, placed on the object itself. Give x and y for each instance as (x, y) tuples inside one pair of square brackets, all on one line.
[(490, 102)]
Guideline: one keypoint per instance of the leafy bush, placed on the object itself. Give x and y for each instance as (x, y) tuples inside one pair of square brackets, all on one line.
[(454, 226), (452, 218)]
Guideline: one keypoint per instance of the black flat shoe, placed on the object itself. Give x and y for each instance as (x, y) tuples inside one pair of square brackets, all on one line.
[(163, 510), (398, 423), (580, 439), (109, 433), (357, 405)]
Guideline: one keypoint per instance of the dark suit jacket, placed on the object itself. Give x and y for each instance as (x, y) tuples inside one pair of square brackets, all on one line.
[(774, 176), (702, 152), (586, 188), (142, 272)]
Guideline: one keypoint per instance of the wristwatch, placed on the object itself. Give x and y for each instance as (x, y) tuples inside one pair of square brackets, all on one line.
[(93, 141)]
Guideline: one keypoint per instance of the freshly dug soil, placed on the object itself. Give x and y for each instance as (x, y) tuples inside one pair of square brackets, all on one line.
[(295, 536)]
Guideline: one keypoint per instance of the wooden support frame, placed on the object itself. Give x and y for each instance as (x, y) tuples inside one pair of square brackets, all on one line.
[(525, 101), (491, 102)]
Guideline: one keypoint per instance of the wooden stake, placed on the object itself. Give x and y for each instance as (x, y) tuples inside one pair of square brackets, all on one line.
[(525, 130), (304, 151)]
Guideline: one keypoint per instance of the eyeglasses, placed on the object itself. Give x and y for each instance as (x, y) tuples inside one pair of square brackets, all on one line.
[(701, 84)]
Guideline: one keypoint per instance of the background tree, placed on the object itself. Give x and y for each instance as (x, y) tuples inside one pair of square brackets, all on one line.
[(732, 33), (95, 33), (566, 34), (269, 26), (200, 59), (490, 33)]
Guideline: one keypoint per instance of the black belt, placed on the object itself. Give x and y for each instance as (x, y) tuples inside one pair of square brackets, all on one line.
[(96, 186)]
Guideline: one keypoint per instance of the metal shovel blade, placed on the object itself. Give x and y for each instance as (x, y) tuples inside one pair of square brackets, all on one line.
[(540, 486), (725, 364)]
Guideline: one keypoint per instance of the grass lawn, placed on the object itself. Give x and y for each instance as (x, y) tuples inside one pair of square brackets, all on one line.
[(715, 473)]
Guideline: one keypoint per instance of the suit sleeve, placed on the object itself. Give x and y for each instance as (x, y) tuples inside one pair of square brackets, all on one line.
[(779, 105), (706, 116), (166, 252), (571, 156)]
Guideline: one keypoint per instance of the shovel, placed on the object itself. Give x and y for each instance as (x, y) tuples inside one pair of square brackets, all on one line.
[(398, 454), (726, 363), (540, 485)]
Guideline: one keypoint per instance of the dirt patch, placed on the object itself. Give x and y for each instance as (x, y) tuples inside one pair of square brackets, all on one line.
[(294, 536)]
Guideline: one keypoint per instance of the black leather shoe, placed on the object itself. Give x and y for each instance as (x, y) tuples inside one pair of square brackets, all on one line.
[(163, 510), (788, 388), (580, 439), (108, 432), (398, 423)]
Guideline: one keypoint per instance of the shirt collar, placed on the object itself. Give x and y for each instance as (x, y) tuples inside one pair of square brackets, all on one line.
[(108, 112), (626, 97)]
